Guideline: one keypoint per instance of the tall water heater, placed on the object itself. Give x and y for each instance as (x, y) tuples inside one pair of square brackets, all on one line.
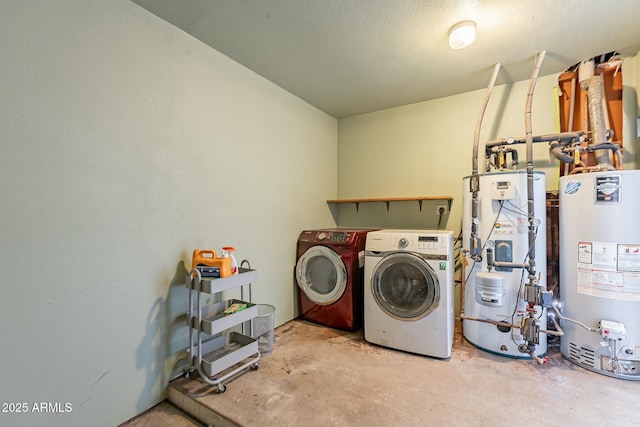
[(503, 221), (600, 271)]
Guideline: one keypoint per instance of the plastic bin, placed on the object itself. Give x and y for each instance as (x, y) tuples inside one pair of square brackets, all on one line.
[(262, 328)]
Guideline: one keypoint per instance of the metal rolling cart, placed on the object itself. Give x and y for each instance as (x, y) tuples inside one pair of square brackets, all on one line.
[(222, 353)]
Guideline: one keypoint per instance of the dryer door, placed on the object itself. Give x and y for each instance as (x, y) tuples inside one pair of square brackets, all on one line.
[(321, 274), (405, 286)]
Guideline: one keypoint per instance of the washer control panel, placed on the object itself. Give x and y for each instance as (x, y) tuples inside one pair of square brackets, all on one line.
[(334, 236)]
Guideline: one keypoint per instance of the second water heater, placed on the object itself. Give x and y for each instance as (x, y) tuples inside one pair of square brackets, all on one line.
[(496, 300)]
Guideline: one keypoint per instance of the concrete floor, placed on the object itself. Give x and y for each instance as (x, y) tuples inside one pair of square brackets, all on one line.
[(318, 376), (162, 415)]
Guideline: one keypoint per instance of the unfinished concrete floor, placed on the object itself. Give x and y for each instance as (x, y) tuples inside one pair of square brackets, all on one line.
[(318, 376)]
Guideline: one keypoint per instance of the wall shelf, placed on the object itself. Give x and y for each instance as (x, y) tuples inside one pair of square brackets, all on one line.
[(388, 200)]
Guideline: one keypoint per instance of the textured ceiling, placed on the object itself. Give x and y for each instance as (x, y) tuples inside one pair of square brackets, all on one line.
[(348, 57)]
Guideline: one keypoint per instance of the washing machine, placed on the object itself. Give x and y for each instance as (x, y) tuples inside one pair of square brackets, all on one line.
[(329, 273), (408, 294)]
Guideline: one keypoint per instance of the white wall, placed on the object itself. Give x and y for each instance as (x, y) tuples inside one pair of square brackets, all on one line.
[(425, 148), (126, 144)]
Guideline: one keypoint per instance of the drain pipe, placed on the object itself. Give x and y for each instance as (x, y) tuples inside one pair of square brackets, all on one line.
[(475, 245)]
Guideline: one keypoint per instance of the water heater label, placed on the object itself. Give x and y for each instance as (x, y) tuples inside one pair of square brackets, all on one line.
[(584, 252), (572, 187), (608, 190), (609, 270), (503, 228), (629, 258)]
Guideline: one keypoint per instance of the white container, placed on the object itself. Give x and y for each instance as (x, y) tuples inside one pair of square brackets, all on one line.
[(227, 252), (490, 289), (600, 270), (503, 219)]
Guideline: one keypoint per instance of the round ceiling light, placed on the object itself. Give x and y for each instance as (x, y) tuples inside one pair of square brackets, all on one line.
[(462, 34)]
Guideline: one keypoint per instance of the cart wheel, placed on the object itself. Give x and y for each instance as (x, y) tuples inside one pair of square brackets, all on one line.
[(222, 388), (255, 366)]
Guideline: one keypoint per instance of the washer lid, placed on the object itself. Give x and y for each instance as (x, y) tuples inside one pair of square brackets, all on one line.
[(405, 286), (322, 275)]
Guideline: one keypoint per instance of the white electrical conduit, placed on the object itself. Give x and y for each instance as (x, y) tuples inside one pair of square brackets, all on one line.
[(474, 181), (529, 145), (476, 133)]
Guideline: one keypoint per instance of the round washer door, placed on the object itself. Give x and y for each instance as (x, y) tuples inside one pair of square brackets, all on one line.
[(405, 286), (321, 274)]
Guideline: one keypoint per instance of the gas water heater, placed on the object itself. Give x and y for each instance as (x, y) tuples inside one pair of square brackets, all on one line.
[(600, 271), (494, 300)]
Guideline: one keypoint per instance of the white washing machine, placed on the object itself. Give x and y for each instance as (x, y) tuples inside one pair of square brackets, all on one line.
[(408, 291)]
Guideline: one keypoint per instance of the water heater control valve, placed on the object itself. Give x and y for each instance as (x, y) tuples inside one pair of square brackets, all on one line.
[(612, 330)]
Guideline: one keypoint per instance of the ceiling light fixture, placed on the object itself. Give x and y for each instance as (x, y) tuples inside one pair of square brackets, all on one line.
[(462, 34)]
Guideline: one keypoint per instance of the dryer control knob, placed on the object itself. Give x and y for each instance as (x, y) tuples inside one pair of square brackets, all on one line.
[(322, 236), (403, 243)]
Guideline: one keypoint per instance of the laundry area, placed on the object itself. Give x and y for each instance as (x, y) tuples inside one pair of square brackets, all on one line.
[(318, 213)]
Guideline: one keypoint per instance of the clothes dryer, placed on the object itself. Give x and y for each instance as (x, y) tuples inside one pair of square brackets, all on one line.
[(329, 273), (408, 295)]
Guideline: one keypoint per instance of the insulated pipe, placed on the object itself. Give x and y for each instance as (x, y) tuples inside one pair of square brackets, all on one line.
[(596, 115), (564, 137), (572, 107), (556, 151), (529, 144), (604, 146), (474, 182)]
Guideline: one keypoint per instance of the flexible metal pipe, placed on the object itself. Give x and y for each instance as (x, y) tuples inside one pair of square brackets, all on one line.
[(596, 115), (574, 321), (474, 181)]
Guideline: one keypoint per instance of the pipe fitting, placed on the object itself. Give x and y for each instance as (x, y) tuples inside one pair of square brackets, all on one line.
[(556, 152)]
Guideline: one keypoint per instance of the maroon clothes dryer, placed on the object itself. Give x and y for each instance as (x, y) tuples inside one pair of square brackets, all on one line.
[(330, 276)]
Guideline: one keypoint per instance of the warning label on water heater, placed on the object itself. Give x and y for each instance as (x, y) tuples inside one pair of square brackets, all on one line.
[(609, 270), (607, 190)]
